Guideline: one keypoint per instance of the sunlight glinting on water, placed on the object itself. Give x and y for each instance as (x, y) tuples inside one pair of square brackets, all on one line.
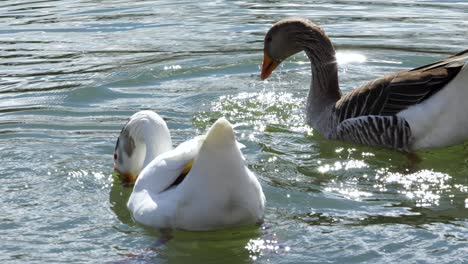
[(172, 67), (262, 109), (349, 193), (258, 247), (342, 165), (99, 177), (74, 71), (424, 186), (344, 58)]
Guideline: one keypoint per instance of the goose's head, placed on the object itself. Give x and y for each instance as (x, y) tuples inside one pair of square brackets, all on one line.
[(286, 38), (143, 137)]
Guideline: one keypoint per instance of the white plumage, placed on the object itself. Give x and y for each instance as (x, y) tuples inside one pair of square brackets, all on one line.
[(218, 191), (441, 120)]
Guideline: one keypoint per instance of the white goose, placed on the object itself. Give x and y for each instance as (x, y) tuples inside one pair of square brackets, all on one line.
[(203, 184), (408, 110), (143, 137)]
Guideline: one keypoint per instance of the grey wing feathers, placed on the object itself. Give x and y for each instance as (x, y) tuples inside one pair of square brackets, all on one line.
[(396, 92), (368, 114), (389, 131)]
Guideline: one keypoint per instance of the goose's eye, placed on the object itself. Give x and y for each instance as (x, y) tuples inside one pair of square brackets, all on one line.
[(268, 39)]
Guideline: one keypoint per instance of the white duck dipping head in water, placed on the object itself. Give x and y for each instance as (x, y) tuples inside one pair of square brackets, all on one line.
[(203, 184), (143, 137)]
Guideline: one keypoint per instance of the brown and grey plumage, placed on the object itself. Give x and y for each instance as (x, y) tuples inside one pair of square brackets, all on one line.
[(408, 110)]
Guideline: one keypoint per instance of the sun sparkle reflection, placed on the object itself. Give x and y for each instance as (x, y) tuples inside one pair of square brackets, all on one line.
[(346, 165), (425, 186), (258, 247), (260, 110), (349, 57)]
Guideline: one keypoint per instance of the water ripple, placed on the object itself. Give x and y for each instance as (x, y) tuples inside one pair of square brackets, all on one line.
[(72, 72)]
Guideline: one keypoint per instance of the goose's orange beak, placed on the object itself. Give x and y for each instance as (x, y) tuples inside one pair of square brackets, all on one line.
[(126, 178), (268, 66)]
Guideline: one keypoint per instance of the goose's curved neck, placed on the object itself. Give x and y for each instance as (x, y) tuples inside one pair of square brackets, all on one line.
[(156, 143), (324, 88)]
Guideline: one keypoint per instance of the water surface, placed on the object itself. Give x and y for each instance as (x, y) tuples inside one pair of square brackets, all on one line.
[(72, 72)]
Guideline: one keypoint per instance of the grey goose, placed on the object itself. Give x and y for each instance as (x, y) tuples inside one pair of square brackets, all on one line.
[(408, 110)]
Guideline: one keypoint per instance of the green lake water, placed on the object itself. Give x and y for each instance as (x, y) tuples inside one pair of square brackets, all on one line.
[(72, 72)]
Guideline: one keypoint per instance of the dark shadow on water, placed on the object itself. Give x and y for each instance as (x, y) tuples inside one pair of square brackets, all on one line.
[(118, 198), (419, 218)]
